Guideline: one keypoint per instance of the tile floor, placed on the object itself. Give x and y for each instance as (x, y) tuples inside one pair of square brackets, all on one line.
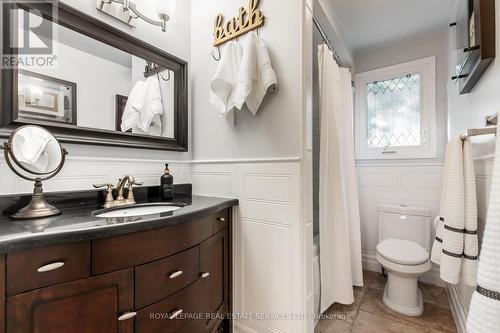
[(369, 315)]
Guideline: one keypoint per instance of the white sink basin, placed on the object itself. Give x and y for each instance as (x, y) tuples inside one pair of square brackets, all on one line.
[(138, 211)]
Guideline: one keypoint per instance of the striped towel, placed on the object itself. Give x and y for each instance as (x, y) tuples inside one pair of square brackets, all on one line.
[(455, 247), (484, 311), (471, 246)]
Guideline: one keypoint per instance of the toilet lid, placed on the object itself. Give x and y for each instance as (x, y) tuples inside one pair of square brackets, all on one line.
[(403, 252)]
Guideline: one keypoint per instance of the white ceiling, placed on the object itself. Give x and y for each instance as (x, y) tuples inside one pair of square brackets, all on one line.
[(366, 23)]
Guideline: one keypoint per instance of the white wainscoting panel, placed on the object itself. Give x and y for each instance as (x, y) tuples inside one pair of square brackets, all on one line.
[(267, 227), (412, 185), (79, 173), (214, 179)]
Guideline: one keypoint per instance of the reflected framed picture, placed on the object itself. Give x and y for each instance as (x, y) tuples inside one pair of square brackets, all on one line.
[(120, 103), (45, 98)]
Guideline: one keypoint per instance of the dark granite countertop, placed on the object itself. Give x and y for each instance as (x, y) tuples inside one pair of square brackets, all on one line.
[(76, 222)]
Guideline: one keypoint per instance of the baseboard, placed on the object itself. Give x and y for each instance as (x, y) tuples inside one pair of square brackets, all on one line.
[(433, 277), (371, 263), (260, 327), (239, 328), (457, 308)]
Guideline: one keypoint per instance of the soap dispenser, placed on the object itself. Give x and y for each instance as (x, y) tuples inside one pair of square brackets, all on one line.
[(166, 185)]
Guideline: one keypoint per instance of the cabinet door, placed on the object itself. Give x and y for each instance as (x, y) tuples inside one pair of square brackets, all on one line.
[(88, 305), (214, 272)]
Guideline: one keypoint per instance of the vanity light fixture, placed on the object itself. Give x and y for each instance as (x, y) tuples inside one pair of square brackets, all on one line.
[(128, 11)]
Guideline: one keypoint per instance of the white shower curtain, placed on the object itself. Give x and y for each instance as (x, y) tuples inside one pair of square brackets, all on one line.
[(340, 238)]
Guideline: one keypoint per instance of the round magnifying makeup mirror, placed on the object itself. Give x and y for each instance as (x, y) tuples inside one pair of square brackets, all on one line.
[(33, 153)]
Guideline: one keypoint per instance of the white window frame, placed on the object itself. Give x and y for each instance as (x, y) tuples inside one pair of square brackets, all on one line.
[(426, 68)]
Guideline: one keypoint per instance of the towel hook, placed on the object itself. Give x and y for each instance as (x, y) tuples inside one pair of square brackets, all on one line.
[(163, 78), (218, 58)]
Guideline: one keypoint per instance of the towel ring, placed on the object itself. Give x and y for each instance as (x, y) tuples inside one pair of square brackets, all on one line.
[(212, 53)]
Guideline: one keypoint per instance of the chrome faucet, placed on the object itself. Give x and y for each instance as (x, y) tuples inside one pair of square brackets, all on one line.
[(120, 187)]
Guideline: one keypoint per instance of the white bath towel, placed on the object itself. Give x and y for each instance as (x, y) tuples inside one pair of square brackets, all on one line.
[(471, 246), (484, 311), (437, 246), (256, 74), (223, 94), (30, 148), (456, 247)]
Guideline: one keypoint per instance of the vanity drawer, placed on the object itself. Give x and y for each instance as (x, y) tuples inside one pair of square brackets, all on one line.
[(185, 304), (42, 267), (160, 279), (214, 282), (221, 220), (120, 252)]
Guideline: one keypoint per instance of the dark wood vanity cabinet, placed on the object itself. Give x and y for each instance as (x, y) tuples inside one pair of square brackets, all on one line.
[(175, 279), (81, 306)]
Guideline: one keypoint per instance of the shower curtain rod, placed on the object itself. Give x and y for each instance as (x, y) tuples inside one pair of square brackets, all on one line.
[(327, 42)]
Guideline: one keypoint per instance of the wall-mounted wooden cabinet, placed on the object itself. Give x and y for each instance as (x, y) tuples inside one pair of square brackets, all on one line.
[(475, 41)]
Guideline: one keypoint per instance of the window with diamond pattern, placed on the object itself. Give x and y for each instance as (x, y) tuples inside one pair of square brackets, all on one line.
[(393, 112)]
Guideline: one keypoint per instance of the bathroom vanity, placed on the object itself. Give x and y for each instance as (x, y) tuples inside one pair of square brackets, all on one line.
[(166, 272)]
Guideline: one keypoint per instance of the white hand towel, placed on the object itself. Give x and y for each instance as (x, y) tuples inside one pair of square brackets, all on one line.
[(451, 225), (144, 108), (484, 311), (130, 117), (30, 148), (256, 74), (150, 107), (223, 92)]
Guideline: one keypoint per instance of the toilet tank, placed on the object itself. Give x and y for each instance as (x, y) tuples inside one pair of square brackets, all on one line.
[(408, 223)]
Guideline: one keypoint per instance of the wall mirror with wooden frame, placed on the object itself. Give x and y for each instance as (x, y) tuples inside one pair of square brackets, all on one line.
[(106, 87)]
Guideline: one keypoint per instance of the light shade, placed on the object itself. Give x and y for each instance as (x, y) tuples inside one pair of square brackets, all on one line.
[(165, 7)]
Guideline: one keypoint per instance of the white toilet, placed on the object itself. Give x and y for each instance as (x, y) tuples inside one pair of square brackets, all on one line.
[(404, 235)]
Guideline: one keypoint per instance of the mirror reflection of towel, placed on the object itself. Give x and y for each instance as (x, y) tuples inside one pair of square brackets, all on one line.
[(144, 108), (30, 148)]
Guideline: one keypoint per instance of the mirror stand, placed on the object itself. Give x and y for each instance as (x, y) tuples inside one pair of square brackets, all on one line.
[(37, 207)]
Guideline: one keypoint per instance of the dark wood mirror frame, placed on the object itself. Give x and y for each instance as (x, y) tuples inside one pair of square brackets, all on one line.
[(89, 26)]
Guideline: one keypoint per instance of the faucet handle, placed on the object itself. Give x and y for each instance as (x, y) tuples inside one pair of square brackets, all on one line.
[(130, 196), (136, 183), (109, 186), (109, 201)]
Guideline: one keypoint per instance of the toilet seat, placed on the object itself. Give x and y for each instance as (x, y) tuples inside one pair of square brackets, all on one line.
[(402, 252)]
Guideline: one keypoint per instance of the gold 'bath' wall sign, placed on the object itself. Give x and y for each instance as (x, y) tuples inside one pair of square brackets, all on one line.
[(247, 20)]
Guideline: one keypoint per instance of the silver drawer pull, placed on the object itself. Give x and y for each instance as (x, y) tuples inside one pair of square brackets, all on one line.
[(205, 275), (176, 314), (176, 274), (127, 315), (50, 267), (222, 219)]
